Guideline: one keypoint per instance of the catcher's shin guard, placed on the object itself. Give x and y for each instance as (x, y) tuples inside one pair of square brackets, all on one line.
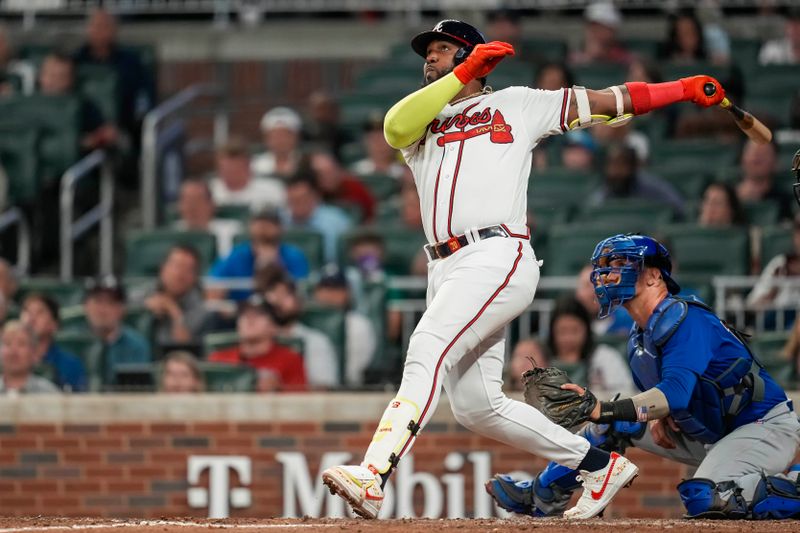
[(703, 498), (776, 498), (395, 435)]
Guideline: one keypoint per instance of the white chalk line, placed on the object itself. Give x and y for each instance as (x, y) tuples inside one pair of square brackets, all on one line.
[(147, 523)]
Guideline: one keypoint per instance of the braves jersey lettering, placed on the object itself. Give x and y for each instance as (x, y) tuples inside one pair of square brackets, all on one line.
[(492, 135)]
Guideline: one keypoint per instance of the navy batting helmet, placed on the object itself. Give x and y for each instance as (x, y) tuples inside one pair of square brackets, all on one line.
[(458, 32)]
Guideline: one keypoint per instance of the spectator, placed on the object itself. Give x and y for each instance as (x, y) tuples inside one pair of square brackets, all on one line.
[(181, 374), (235, 183), (624, 179), (196, 209), (791, 351), (280, 133), (625, 134), (766, 292), (104, 303), (332, 290), (12, 70), (137, 93), (322, 368), (618, 323), (552, 76), (526, 354), (504, 25), (305, 211), (600, 36), (684, 44), (17, 361), (40, 314), (338, 187), (720, 207), (757, 166), (57, 78), (263, 248), (784, 51), (279, 368), (8, 289), (410, 208), (579, 151), (367, 253), (381, 158), (177, 302), (571, 342), (323, 130)]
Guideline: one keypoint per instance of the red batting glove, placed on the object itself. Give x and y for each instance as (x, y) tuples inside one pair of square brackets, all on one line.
[(694, 90), (482, 60)]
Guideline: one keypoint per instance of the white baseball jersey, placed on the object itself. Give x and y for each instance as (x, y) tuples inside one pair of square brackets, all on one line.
[(472, 166)]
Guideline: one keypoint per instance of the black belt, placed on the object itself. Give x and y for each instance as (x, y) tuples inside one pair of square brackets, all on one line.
[(443, 249)]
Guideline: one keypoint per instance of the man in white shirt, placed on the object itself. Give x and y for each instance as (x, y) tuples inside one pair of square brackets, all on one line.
[(784, 51), (280, 133), (235, 184)]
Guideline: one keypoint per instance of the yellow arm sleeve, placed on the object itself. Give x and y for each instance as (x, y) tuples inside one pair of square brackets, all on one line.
[(407, 120)]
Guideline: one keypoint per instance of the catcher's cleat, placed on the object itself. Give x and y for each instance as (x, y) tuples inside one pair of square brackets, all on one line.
[(358, 485), (600, 487), (513, 496)]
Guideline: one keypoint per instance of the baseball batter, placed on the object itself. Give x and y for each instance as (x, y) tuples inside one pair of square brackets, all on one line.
[(708, 400), (470, 152)]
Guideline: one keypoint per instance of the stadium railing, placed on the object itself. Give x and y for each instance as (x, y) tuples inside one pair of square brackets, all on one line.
[(14, 217)]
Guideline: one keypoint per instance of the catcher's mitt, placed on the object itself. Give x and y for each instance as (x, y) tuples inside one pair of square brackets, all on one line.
[(564, 407)]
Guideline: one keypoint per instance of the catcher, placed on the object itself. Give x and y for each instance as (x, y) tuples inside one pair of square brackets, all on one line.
[(706, 401)]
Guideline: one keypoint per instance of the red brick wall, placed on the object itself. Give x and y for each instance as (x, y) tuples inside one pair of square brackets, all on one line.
[(140, 469)]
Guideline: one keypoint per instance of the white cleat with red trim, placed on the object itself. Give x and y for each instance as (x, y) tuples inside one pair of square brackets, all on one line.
[(358, 485), (600, 486)]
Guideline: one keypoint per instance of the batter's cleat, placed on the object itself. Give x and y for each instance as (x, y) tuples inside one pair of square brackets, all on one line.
[(358, 485), (511, 495), (600, 487)]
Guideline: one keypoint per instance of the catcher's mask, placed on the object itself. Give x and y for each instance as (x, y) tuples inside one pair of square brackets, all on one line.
[(455, 31), (796, 172), (617, 263)]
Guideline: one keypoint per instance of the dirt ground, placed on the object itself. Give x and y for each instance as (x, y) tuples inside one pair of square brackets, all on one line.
[(178, 525)]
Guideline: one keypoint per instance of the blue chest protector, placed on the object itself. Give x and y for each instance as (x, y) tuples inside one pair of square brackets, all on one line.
[(718, 396)]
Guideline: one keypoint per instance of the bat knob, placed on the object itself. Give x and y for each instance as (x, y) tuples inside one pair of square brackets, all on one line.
[(709, 88)]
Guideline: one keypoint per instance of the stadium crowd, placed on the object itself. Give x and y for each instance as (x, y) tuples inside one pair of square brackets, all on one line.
[(272, 269)]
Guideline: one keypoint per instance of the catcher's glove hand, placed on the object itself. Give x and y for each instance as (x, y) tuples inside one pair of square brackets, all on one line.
[(565, 407)]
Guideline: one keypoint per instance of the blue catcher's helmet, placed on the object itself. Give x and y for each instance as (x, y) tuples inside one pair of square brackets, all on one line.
[(614, 285)]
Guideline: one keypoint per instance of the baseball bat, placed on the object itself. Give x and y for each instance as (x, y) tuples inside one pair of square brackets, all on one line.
[(750, 125)]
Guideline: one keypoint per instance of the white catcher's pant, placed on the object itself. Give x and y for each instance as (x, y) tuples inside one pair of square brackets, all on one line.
[(459, 343)]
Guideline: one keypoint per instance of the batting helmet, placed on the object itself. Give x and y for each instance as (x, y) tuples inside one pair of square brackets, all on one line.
[(613, 284), (460, 33)]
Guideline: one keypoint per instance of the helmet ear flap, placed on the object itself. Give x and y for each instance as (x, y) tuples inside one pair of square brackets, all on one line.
[(462, 54)]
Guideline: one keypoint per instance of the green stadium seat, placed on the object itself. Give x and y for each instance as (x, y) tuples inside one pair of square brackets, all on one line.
[(402, 246), (223, 377), (391, 77), (99, 84), (73, 320), (381, 186), (763, 213), (331, 322), (629, 216), (561, 185), (65, 293), (57, 119), (356, 108), (707, 252), (19, 158), (219, 340), (546, 214), (510, 73), (310, 242), (643, 47), (773, 79), (746, 52), (233, 211), (674, 71), (145, 250), (600, 75), (775, 240), (543, 50), (768, 347), (771, 107), (570, 246), (695, 153), (687, 178)]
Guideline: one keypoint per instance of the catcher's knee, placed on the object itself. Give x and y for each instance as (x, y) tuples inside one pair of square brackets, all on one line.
[(704, 498), (776, 498)]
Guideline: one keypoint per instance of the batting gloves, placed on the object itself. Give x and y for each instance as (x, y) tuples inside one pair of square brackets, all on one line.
[(704, 91), (482, 60)]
